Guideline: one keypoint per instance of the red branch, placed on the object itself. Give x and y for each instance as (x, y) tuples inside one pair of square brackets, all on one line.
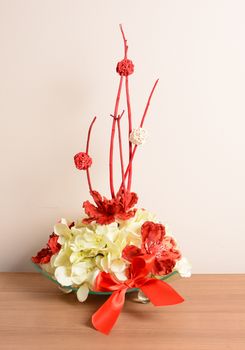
[(125, 42), (128, 109), (141, 125), (112, 137), (120, 147), (87, 150), (129, 132), (148, 104)]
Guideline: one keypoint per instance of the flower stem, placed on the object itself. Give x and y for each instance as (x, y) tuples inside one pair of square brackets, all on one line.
[(129, 166), (112, 137), (87, 150), (128, 110), (120, 147), (148, 103), (129, 131), (89, 134), (124, 41)]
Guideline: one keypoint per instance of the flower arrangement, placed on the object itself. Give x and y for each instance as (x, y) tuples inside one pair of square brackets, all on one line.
[(114, 247)]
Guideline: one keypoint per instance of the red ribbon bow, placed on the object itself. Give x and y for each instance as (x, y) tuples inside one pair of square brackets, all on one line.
[(159, 292)]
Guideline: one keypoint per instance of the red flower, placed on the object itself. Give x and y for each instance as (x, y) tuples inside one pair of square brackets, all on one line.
[(45, 254), (42, 257), (53, 243), (156, 243), (82, 161), (107, 211), (125, 67)]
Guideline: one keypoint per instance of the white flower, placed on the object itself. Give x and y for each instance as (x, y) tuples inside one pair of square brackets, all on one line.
[(63, 257), (83, 290), (63, 275), (86, 250), (121, 276), (138, 136), (74, 274), (63, 231), (80, 271), (183, 267), (118, 266)]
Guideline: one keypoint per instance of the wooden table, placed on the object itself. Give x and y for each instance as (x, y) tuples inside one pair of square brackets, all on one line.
[(35, 315)]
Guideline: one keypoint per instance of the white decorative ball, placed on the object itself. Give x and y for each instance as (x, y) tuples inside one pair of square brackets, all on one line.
[(138, 136)]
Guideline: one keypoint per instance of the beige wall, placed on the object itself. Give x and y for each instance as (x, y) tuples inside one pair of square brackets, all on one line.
[(57, 62)]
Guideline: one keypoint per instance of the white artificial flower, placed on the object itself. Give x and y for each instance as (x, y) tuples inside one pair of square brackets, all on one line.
[(121, 276), (87, 248), (109, 231), (63, 231), (79, 271), (118, 266), (103, 262), (183, 267), (116, 247), (74, 274), (138, 136), (83, 290), (63, 275), (63, 257)]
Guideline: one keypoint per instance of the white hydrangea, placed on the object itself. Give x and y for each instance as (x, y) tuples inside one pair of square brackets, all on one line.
[(183, 267), (138, 136), (86, 250)]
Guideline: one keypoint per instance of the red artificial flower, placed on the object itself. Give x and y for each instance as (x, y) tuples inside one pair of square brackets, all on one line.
[(53, 243), (42, 257), (155, 243), (82, 161), (45, 254), (107, 211), (125, 67)]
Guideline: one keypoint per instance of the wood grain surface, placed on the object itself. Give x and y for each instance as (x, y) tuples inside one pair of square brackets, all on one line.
[(35, 315)]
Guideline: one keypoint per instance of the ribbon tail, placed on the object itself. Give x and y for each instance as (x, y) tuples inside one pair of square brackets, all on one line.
[(106, 316), (160, 293)]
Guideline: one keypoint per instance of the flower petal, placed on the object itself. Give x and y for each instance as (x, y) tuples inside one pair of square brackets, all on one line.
[(82, 293), (118, 266), (130, 251), (61, 259), (91, 278), (62, 230), (121, 276), (65, 222), (152, 233), (62, 274)]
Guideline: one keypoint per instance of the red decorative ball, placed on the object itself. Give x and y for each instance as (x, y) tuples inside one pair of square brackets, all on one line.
[(82, 161), (125, 67)]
